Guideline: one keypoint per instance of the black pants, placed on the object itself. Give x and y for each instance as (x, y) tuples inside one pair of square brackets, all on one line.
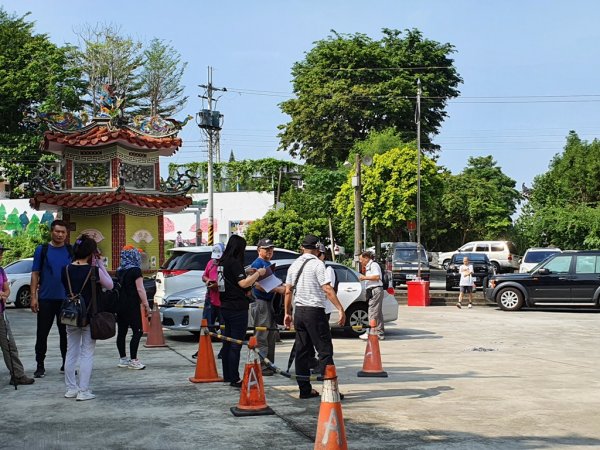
[(130, 317), (49, 312), (312, 330)]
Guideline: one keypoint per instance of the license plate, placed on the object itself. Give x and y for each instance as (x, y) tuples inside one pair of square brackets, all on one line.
[(411, 276)]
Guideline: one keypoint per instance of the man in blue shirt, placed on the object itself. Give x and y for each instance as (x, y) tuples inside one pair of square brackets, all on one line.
[(48, 293), (262, 310)]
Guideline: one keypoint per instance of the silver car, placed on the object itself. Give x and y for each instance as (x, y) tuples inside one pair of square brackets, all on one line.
[(176, 314)]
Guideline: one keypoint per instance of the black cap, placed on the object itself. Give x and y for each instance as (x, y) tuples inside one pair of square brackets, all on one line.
[(265, 243), (321, 247), (310, 242)]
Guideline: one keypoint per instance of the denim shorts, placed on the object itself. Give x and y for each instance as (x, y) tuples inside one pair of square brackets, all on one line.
[(466, 289)]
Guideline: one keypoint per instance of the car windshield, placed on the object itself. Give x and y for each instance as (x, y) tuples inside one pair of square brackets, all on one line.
[(538, 256), (190, 261), (408, 255), (19, 267), (473, 258)]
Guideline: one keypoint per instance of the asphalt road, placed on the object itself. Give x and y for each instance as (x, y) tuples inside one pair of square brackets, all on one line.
[(458, 379)]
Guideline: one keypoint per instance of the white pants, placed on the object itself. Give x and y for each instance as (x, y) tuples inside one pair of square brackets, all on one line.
[(80, 352)]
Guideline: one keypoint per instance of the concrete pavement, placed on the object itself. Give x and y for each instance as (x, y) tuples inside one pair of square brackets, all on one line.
[(458, 379)]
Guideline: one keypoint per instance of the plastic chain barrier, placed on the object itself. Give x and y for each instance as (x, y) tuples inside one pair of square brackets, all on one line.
[(225, 338), (292, 376)]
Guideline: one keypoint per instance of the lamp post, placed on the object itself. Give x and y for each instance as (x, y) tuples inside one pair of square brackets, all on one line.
[(356, 184), (418, 120)]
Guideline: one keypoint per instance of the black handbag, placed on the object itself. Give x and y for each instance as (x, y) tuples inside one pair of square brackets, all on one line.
[(73, 311), (102, 324)]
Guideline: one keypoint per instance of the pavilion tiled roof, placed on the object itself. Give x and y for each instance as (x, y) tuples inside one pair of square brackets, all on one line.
[(98, 200), (102, 135)]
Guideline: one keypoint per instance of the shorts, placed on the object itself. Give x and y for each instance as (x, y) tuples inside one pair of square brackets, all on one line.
[(466, 289)]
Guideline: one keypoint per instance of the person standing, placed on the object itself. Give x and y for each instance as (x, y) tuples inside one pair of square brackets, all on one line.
[(330, 273), (374, 291), (9, 348), (307, 289), (263, 312), (48, 293), (129, 315), (466, 282), (76, 278), (212, 303), (234, 289), (179, 240)]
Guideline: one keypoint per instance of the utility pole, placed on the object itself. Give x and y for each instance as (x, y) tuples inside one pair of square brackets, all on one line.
[(418, 120), (210, 122), (356, 183)]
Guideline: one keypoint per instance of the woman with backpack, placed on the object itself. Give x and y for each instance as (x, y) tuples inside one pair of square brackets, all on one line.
[(78, 278), (129, 315)]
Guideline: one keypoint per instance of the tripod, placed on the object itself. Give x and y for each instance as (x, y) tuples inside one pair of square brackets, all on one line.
[(12, 367)]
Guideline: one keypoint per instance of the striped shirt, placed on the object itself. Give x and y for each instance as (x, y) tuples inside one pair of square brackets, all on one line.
[(308, 290)]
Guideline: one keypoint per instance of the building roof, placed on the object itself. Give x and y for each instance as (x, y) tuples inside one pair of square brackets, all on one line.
[(101, 135), (70, 200)]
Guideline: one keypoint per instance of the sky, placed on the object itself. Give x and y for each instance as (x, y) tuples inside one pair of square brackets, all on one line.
[(530, 67)]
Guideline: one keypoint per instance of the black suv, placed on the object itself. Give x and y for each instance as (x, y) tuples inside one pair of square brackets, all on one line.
[(405, 258), (565, 279), (482, 269)]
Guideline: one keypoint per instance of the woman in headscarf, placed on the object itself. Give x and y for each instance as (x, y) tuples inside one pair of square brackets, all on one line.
[(128, 310)]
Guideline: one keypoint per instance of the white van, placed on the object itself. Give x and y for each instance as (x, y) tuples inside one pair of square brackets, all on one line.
[(184, 269), (502, 254)]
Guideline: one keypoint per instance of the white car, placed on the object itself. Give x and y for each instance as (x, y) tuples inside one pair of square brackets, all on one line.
[(19, 278), (351, 293), (535, 255), (184, 269), (502, 254)]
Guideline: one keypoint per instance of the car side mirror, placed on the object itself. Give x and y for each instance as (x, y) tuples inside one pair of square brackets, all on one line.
[(543, 271)]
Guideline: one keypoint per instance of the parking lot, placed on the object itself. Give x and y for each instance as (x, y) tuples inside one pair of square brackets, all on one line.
[(463, 379)]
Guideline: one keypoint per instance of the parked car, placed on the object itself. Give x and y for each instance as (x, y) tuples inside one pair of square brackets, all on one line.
[(19, 278), (404, 262), (482, 268), (568, 279), (184, 269), (351, 293), (534, 256), (502, 254)]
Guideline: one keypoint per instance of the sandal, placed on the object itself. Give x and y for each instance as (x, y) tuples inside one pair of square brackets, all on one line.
[(311, 394)]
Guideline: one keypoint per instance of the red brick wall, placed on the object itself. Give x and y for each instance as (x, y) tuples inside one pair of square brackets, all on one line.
[(118, 242), (69, 174), (115, 172)]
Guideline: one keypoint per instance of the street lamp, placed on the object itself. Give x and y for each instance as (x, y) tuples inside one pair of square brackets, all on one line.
[(418, 120)]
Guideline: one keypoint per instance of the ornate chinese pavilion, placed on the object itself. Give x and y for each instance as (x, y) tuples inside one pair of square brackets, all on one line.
[(108, 185)]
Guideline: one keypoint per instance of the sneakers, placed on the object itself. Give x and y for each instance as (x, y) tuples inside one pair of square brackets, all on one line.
[(364, 336), (236, 384), (62, 369), (470, 305), (21, 380), (84, 395), (135, 364), (381, 337), (459, 305), (71, 393), (123, 363), (40, 371), (267, 372)]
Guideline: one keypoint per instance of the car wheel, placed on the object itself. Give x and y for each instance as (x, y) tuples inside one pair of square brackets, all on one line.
[(496, 267), (23, 299), (445, 264), (510, 299), (357, 314)]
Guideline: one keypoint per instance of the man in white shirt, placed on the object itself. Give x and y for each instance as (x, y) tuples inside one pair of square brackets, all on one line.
[(374, 289), (466, 282), (307, 286)]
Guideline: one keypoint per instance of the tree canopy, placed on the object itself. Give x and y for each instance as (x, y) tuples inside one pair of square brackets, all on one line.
[(350, 84)]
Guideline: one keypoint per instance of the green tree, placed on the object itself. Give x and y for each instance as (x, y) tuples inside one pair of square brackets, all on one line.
[(389, 194), (161, 74), (350, 84), (480, 201), (34, 76)]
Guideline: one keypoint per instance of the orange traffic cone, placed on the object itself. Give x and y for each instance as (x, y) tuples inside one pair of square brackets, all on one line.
[(155, 337), (206, 368), (252, 395), (331, 432), (145, 320), (372, 366)]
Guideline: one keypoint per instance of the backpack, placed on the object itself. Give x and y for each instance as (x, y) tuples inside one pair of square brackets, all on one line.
[(44, 256)]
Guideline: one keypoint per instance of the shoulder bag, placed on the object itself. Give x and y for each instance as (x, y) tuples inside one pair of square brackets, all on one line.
[(74, 311), (102, 324)]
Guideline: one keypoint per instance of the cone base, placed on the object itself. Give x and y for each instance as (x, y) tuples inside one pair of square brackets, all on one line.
[(205, 380), (155, 345), (237, 412), (364, 374)]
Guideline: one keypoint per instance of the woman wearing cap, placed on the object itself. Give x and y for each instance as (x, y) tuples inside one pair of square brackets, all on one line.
[(212, 304), (234, 304), (129, 314)]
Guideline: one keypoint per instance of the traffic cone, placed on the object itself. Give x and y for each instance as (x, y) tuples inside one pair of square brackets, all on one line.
[(155, 337), (145, 320), (252, 394), (331, 432), (206, 368), (372, 366)]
